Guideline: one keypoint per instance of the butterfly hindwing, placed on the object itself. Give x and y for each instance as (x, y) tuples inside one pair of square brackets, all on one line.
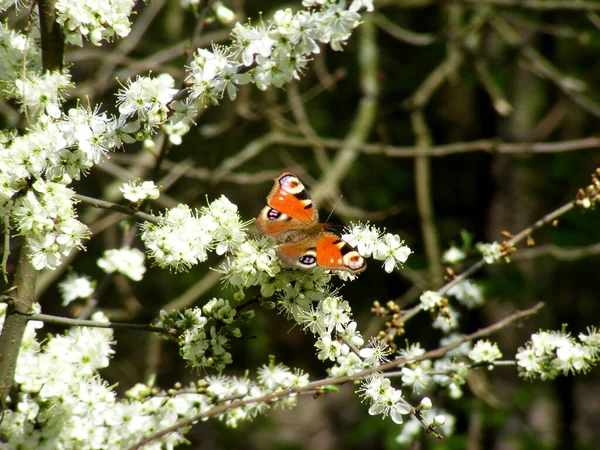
[(334, 253), (298, 255), (291, 219)]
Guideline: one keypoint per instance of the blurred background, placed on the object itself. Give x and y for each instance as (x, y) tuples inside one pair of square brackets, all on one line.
[(466, 115)]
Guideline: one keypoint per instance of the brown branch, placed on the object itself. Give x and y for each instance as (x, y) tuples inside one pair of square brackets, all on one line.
[(493, 146), (558, 253), (568, 85), (425, 197), (510, 243), (21, 301), (116, 207), (268, 398), (364, 119), (535, 5), (68, 322), (52, 36)]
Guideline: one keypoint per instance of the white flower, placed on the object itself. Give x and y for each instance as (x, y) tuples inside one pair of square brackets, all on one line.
[(376, 354), (74, 287), (528, 361), (485, 352), (391, 249), (417, 377), (453, 255), (358, 4), (127, 261), (224, 14), (138, 192), (467, 293), (490, 252), (430, 300), (393, 405), (45, 252), (363, 237), (571, 359), (328, 348), (251, 41), (43, 93), (447, 320), (591, 341)]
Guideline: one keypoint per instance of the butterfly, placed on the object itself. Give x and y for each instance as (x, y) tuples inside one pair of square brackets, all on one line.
[(291, 219)]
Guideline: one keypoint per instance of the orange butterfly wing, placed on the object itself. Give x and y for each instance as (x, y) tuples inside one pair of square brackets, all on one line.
[(289, 209), (333, 253)]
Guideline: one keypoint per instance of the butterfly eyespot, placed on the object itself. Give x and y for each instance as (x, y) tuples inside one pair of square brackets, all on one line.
[(308, 260), (273, 214)]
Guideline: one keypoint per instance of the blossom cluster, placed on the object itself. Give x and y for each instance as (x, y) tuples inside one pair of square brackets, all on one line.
[(485, 352), (204, 334), (371, 241), (273, 52), (36, 167), (62, 402), (137, 192), (94, 20), (19, 55), (384, 398), (551, 353), (183, 237), (491, 253)]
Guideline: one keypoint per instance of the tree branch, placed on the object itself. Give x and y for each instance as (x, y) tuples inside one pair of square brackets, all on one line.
[(517, 315)]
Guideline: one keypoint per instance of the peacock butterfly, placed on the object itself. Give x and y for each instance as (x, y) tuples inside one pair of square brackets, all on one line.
[(291, 219)]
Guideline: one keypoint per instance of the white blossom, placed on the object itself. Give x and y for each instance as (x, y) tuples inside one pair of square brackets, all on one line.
[(485, 352), (491, 252), (430, 300), (127, 261), (137, 192), (75, 286), (453, 255)]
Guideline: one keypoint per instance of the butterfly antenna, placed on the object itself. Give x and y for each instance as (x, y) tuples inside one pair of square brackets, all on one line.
[(333, 209)]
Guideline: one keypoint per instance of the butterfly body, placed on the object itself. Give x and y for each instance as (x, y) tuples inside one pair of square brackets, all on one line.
[(291, 219)]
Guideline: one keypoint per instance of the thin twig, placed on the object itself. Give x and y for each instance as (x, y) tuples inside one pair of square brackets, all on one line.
[(535, 5), (268, 398), (364, 119), (511, 242), (67, 322), (494, 146), (119, 208)]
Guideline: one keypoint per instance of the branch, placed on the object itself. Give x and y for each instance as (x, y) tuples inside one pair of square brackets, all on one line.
[(535, 5), (511, 242), (116, 207), (268, 398), (365, 117), (14, 323), (425, 197), (52, 36), (493, 146), (67, 322)]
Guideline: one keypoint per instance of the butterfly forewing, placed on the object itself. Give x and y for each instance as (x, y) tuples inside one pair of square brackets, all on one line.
[(290, 197)]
